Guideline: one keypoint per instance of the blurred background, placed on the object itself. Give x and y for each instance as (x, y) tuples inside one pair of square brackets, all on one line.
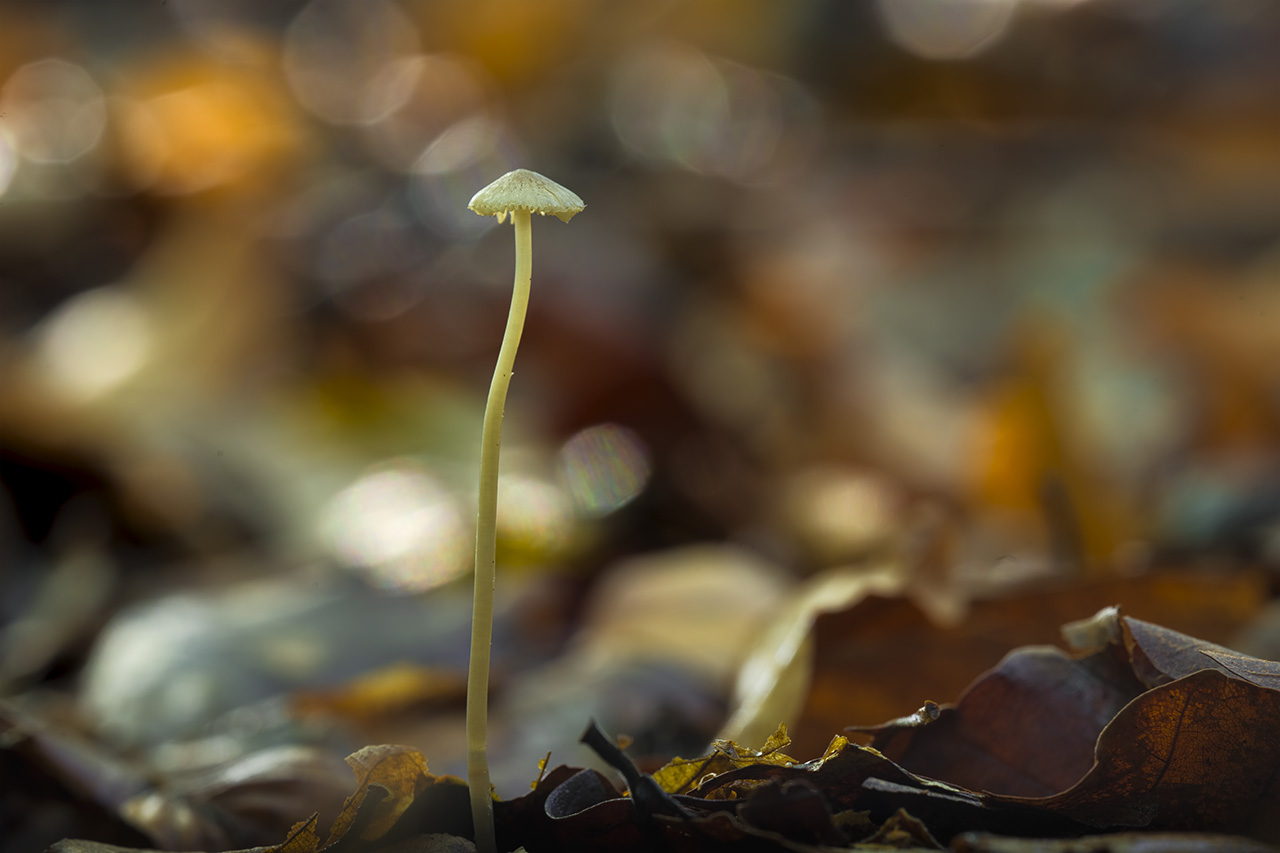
[(955, 298)]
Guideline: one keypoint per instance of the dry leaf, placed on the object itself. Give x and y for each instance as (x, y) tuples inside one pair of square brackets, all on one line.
[(1199, 753), (400, 771), (1025, 728)]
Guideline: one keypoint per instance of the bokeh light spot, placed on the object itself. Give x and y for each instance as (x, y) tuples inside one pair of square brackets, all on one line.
[(8, 160), (55, 109), (946, 29), (671, 103), (429, 93), (94, 342), (534, 515), (838, 513), (458, 146), (400, 527), (342, 59), (466, 155), (603, 468)]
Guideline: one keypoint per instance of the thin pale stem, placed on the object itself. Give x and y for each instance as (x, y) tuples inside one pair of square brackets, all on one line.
[(486, 544)]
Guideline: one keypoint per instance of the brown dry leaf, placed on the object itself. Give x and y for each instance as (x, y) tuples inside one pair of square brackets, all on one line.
[(1264, 673), (1159, 655), (1199, 753), (880, 656), (1026, 728), (399, 771)]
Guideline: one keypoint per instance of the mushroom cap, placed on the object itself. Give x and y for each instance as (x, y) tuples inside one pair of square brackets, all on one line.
[(522, 189)]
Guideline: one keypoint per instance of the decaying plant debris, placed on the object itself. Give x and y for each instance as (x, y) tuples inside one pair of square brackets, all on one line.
[(1181, 753)]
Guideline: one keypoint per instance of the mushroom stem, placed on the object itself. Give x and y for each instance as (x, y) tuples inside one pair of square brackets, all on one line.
[(486, 545), (518, 193)]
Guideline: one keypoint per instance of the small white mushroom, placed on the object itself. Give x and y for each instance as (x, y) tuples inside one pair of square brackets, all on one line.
[(519, 193), (522, 189)]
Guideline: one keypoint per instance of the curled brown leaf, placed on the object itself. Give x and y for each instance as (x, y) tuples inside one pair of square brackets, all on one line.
[(1199, 753)]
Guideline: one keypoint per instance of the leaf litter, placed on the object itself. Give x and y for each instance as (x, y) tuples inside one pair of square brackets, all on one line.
[(1138, 738)]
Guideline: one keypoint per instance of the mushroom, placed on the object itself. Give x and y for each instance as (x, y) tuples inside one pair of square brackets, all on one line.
[(519, 193)]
